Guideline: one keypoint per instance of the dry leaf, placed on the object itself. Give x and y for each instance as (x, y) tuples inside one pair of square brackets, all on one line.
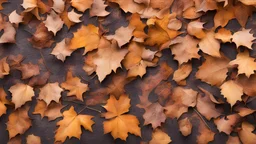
[(75, 87), (243, 38), (246, 134), (50, 92), (232, 91), (122, 35), (195, 28), (32, 139), (18, 122), (4, 68), (210, 45), (86, 37), (98, 8), (245, 64), (185, 126), (248, 84), (74, 17), (28, 70), (182, 72), (138, 33), (224, 35), (120, 124), (160, 137), (81, 5), (226, 124), (128, 5), (70, 125), (21, 93), (3, 102), (58, 5), (15, 18), (154, 114), (53, 22), (217, 67), (61, 50), (223, 16)]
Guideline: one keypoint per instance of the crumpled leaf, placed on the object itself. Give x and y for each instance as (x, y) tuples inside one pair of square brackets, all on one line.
[(119, 123), (232, 91), (154, 114), (122, 35), (160, 137), (21, 93), (50, 92), (18, 122), (233, 140), (245, 64), (53, 22), (70, 125), (74, 85), (86, 37), (243, 38)]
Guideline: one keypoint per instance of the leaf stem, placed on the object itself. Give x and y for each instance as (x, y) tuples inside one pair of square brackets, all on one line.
[(44, 61), (201, 117), (85, 107)]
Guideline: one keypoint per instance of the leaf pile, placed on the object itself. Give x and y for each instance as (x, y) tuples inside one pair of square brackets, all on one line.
[(185, 59)]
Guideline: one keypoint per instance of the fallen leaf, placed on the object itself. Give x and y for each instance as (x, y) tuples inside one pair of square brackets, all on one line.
[(3, 102), (9, 31), (98, 8), (119, 123), (4, 68), (182, 72), (86, 37), (39, 80), (226, 124), (74, 17), (185, 126), (21, 93), (242, 13), (191, 13), (233, 140), (243, 111), (195, 28), (213, 66), (61, 50), (53, 22), (28, 70), (232, 91), (138, 33), (70, 125), (248, 84), (50, 92), (224, 35), (246, 134), (122, 35), (245, 64), (160, 137), (15, 18), (58, 5), (128, 6), (18, 122), (154, 115), (206, 5), (75, 87), (223, 16), (210, 45), (81, 5), (243, 38), (32, 139)]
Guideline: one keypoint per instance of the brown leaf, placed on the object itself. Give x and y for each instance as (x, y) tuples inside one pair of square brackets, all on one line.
[(182, 72), (4, 68), (32, 139), (195, 28), (15, 140), (74, 17), (154, 115), (128, 6), (242, 13), (213, 66), (61, 50), (243, 38), (248, 84), (223, 16), (29, 70), (185, 126), (210, 45), (21, 93), (53, 22), (50, 92), (139, 26), (98, 8), (160, 137), (18, 122), (226, 125), (246, 135), (224, 35), (81, 5), (39, 80), (15, 18), (3, 102)]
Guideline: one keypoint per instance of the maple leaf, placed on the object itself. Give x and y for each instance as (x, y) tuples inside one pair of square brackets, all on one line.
[(226, 124), (243, 38), (87, 37), (50, 92), (246, 134), (53, 22), (98, 9), (28, 70), (154, 114), (18, 122), (32, 139), (81, 5), (4, 68), (138, 33), (39, 80), (210, 45), (160, 137), (61, 50), (75, 87), (70, 125), (184, 49), (120, 123), (108, 58), (232, 91), (3, 102), (51, 112), (21, 93), (213, 66), (246, 64), (185, 126), (122, 35), (180, 101), (42, 38)]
